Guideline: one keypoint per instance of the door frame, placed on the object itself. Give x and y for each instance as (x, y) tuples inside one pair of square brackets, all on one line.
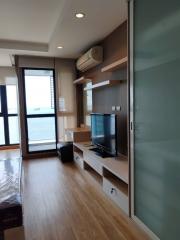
[(39, 115), (131, 4)]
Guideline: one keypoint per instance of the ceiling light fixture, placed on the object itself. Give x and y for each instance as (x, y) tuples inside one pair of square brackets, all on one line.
[(80, 15), (60, 47)]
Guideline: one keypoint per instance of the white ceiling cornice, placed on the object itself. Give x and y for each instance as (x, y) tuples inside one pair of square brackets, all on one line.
[(21, 45)]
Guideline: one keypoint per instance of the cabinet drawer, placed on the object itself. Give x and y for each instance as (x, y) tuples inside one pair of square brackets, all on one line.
[(120, 198), (94, 163)]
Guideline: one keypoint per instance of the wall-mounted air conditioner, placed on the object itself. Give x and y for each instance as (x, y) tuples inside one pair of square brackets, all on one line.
[(90, 59)]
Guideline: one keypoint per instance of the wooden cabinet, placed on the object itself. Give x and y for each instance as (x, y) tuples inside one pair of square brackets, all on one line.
[(116, 194), (93, 162), (112, 173), (78, 134)]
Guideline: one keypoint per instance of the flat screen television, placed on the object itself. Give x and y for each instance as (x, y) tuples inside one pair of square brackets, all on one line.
[(104, 133)]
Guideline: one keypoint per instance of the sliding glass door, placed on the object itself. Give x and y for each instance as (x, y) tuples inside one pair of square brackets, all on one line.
[(40, 117), (9, 127), (155, 98)]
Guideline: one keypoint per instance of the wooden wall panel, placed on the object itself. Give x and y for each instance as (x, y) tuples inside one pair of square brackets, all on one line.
[(115, 48), (79, 100), (104, 99)]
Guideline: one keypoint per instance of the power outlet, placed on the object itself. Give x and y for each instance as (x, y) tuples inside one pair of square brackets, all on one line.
[(113, 108), (118, 108)]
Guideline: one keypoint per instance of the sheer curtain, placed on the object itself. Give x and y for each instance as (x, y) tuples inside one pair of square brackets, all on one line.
[(65, 75)]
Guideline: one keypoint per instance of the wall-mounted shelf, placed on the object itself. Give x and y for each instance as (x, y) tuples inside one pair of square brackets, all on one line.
[(65, 113), (115, 65), (119, 167), (102, 84), (82, 80)]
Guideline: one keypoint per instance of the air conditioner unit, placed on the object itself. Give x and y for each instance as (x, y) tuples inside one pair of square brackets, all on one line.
[(90, 59)]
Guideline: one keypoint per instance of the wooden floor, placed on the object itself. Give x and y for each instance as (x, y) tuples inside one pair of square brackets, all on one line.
[(63, 203), (9, 154)]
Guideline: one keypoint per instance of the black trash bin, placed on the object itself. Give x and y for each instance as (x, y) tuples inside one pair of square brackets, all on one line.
[(65, 151)]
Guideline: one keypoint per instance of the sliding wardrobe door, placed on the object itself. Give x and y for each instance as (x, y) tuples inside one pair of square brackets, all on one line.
[(155, 114)]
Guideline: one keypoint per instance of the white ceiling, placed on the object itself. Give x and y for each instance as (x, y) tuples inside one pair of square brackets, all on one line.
[(5, 60), (37, 27)]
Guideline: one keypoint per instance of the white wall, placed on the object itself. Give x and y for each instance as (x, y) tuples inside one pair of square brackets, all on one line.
[(8, 75)]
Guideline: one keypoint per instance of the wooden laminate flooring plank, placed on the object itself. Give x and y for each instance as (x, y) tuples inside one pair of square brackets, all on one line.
[(63, 203)]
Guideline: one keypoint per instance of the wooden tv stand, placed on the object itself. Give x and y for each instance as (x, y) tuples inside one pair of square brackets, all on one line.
[(112, 172)]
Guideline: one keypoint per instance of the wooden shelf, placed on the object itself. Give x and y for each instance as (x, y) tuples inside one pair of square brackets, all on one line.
[(121, 186), (65, 113), (78, 159), (78, 152), (119, 167), (102, 84), (79, 134), (78, 129), (82, 80), (97, 177), (121, 63)]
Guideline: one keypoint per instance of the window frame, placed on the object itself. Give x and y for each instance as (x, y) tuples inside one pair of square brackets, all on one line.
[(4, 113), (43, 115)]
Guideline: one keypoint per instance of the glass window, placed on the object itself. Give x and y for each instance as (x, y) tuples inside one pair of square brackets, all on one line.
[(13, 130), (39, 94), (2, 139), (88, 104), (65, 122), (41, 133), (89, 98), (88, 120), (36, 82), (11, 91)]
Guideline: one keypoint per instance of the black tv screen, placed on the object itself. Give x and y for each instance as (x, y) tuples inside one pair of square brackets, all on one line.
[(103, 132)]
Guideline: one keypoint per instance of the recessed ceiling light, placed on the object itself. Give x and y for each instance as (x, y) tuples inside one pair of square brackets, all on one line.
[(60, 47), (80, 15)]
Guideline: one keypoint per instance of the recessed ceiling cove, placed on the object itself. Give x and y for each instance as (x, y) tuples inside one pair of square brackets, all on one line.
[(38, 27)]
